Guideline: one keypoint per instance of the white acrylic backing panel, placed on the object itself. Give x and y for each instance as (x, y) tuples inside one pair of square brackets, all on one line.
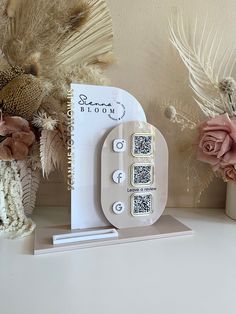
[(96, 110), (134, 180)]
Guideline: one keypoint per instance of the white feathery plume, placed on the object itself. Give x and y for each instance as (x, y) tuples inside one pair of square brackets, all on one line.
[(205, 62)]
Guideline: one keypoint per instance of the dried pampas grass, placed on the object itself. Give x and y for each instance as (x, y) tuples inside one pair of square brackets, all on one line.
[(86, 74), (59, 41)]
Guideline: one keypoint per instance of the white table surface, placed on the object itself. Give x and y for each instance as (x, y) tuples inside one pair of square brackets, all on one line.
[(183, 275)]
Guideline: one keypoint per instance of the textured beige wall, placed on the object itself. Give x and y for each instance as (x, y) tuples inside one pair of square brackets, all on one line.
[(151, 70)]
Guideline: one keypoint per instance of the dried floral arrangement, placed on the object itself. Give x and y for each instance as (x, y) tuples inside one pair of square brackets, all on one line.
[(211, 120), (44, 46)]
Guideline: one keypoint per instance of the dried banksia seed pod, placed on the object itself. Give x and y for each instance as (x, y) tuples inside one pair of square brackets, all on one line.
[(9, 75), (22, 96), (227, 86)]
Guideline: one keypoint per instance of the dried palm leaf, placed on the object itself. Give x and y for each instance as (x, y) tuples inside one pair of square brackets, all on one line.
[(30, 180), (205, 61), (93, 39)]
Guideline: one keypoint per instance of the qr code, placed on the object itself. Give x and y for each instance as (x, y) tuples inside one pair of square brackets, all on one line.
[(142, 145), (142, 174), (141, 204)]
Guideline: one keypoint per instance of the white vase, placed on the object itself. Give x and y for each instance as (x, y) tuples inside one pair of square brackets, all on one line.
[(230, 208)]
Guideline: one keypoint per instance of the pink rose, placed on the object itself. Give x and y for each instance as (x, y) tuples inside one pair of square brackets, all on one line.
[(228, 173), (218, 141), (17, 138)]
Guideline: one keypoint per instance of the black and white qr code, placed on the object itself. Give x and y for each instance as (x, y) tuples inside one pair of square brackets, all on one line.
[(141, 204), (142, 174), (142, 144)]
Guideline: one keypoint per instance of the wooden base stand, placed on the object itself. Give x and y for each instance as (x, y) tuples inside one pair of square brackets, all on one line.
[(165, 227)]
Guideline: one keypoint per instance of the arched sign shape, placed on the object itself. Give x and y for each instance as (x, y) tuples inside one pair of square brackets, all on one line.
[(95, 111)]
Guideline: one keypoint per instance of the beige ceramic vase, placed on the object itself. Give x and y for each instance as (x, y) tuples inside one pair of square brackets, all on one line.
[(230, 208)]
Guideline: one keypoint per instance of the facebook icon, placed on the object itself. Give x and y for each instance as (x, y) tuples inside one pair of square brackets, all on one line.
[(118, 176)]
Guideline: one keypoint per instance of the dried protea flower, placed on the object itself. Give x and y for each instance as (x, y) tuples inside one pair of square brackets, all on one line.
[(227, 86)]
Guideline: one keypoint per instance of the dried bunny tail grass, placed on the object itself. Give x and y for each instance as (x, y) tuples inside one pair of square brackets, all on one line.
[(32, 69), (32, 64), (77, 17), (227, 87), (176, 117), (105, 59), (184, 116)]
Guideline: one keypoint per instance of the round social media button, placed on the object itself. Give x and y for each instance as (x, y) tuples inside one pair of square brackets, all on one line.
[(118, 176), (118, 207)]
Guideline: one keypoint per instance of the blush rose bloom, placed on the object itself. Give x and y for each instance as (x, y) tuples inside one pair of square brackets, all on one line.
[(18, 138), (228, 173), (218, 141)]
